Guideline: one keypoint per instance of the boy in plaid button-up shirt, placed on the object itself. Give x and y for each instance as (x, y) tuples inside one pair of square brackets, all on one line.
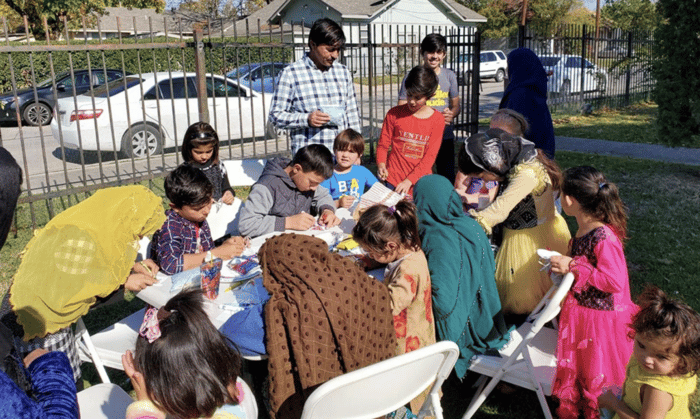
[(315, 97)]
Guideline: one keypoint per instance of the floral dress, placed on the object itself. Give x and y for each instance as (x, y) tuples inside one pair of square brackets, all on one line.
[(593, 346), (408, 280)]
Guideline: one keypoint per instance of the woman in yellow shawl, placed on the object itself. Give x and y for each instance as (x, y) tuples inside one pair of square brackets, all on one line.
[(85, 252)]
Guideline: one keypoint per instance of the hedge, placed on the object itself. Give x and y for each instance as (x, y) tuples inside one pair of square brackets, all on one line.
[(221, 56)]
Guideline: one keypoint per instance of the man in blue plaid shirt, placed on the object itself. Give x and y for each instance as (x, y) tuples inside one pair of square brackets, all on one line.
[(315, 97)]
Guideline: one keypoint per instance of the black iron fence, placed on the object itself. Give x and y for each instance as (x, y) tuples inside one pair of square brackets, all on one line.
[(79, 115), (588, 71)]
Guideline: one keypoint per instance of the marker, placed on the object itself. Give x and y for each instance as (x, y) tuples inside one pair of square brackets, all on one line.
[(146, 268)]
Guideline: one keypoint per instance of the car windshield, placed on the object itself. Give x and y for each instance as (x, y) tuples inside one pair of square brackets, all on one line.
[(48, 82), (117, 86), (242, 70), (549, 61)]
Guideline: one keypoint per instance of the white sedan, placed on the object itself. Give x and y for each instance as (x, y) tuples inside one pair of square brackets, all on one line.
[(140, 116), (564, 74)]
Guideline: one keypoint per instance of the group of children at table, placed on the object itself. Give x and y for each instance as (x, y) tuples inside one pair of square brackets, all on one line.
[(503, 181)]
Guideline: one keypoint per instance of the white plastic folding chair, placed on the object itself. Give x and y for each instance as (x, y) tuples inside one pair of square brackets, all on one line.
[(105, 349), (103, 401), (244, 172), (529, 359), (362, 394)]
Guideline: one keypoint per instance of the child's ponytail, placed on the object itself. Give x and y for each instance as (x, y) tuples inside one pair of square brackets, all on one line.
[(187, 364), (597, 197), (381, 224)]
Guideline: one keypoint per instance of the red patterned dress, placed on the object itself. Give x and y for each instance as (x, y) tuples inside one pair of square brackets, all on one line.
[(593, 346), (408, 280)]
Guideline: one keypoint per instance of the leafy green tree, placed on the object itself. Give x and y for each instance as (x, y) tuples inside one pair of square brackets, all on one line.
[(579, 15), (210, 9), (675, 69), (629, 15), (548, 14), (12, 18), (503, 16), (501, 19), (72, 10)]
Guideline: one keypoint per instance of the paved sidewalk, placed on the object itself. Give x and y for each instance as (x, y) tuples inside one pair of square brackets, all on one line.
[(690, 156)]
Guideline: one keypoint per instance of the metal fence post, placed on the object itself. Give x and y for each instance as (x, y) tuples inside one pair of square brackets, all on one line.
[(201, 70), (476, 83), (628, 72)]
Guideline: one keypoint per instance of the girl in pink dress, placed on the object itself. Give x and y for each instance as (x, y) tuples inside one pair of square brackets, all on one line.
[(594, 344)]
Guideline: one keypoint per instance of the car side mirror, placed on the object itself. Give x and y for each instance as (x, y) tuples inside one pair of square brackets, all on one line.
[(61, 87)]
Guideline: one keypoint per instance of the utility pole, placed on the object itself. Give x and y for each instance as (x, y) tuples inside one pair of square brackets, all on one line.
[(597, 31)]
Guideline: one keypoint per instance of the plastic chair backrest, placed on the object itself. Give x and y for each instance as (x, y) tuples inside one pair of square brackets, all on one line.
[(383, 387), (552, 307), (244, 172)]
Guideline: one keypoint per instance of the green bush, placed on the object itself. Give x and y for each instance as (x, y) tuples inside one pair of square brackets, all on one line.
[(221, 55), (677, 50)]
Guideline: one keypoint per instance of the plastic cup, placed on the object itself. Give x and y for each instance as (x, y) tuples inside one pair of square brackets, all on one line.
[(211, 276)]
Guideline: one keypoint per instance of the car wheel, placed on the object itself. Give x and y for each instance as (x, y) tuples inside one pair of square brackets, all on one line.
[(500, 75), (565, 89), (36, 114), (141, 141)]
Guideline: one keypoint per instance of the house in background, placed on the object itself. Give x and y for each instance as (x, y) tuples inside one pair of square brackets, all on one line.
[(397, 24), (135, 23)]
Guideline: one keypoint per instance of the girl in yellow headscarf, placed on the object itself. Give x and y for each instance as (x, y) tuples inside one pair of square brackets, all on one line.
[(85, 252)]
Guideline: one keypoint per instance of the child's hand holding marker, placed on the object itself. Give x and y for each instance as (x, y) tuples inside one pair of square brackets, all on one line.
[(301, 221), (147, 267), (142, 275)]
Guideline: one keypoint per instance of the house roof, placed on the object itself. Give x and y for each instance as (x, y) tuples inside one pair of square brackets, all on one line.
[(121, 19), (370, 8)]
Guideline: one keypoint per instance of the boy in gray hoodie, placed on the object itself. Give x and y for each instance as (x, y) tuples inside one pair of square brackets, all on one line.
[(288, 195)]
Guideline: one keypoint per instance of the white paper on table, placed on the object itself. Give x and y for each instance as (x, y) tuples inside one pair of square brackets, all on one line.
[(379, 194), (223, 219)]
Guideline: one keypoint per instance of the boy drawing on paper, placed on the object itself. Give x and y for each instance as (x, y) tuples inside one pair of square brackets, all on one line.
[(288, 194)]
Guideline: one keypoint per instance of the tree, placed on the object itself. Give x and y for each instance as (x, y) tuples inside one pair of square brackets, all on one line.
[(13, 19), (501, 19), (631, 14), (503, 16), (72, 10), (677, 87), (579, 15), (548, 14)]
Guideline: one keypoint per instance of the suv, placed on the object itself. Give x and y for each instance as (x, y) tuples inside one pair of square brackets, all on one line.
[(493, 64), (564, 74)]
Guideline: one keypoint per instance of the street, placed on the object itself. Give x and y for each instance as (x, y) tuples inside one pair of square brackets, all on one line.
[(49, 168)]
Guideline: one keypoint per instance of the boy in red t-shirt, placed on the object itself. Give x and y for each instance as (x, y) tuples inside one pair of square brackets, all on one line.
[(413, 132)]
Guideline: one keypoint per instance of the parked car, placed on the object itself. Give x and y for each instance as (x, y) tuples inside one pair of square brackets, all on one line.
[(261, 77), (564, 74), (614, 51), (40, 113), (145, 125), (493, 64)]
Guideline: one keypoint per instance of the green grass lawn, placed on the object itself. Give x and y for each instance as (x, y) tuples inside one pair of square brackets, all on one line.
[(633, 124), (664, 235)]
